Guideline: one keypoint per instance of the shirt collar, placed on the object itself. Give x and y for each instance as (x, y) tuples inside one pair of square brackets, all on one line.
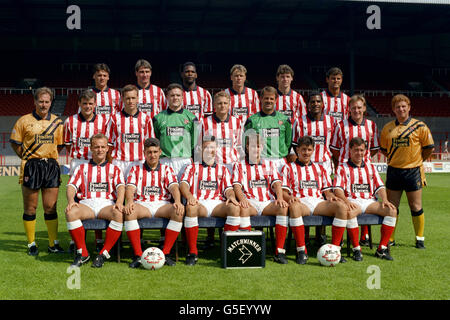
[(212, 166), (356, 124), (170, 111), (263, 114), (187, 90), (332, 95), (301, 164), (351, 164), (147, 167), (313, 119), (247, 161), (38, 117), (83, 119), (104, 163), (235, 92), (404, 123), (146, 88), (218, 120), (129, 115), (95, 89), (282, 94)]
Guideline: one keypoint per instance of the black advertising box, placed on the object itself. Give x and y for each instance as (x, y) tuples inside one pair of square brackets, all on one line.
[(243, 249)]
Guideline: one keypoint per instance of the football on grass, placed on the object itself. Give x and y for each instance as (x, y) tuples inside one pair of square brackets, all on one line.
[(153, 258), (329, 255)]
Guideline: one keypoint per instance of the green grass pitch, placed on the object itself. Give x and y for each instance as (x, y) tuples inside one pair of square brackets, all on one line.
[(414, 274)]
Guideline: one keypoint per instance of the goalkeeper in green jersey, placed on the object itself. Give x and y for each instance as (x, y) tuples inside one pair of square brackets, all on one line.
[(177, 130), (273, 126)]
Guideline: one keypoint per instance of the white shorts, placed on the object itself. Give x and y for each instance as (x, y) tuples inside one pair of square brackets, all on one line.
[(177, 164), (125, 166), (363, 203), (97, 204), (153, 206), (259, 205), (311, 203), (74, 163), (210, 205)]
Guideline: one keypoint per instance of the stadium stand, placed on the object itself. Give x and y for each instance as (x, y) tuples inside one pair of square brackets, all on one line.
[(15, 104)]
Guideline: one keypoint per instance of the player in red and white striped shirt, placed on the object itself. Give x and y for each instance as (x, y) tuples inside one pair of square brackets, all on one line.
[(208, 192), (78, 129), (227, 130), (318, 126), (358, 184), (195, 98), (289, 102), (108, 99), (127, 131), (257, 186), (151, 98), (356, 126), (151, 186), (244, 100), (305, 183), (335, 101), (101, 188)]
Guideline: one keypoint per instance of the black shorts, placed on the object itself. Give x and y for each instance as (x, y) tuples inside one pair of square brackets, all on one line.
[(403, 179), (41, 173)]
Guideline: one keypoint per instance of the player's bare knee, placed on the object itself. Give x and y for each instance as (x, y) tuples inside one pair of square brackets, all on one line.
[(192, 211)]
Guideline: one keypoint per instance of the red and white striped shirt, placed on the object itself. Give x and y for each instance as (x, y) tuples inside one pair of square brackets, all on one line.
[(151, 100), (305, 180), (228, 135), (358, 182), (346, 130), (78, 131), (320, 130), (256, 180), (207, 182), (244, 104), (108, 101), (292, 105), (94, 181), (198, 101), (152, 185), (127, 134), (335, 106)]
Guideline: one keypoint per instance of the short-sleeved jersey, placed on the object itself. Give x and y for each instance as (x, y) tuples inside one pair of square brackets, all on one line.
[(243, 105), (97, 181), (151, 100), (39, 138), (320, 130), (335, 106), (198, 101), (361, 182), (177, 132), (127, 133), (291, 105), (275, 129), (152, 185), (207, 182), (107, 102), (78, 131), (346, 130), (256, 180), (403, 142), (302, 180), (228, 135)]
